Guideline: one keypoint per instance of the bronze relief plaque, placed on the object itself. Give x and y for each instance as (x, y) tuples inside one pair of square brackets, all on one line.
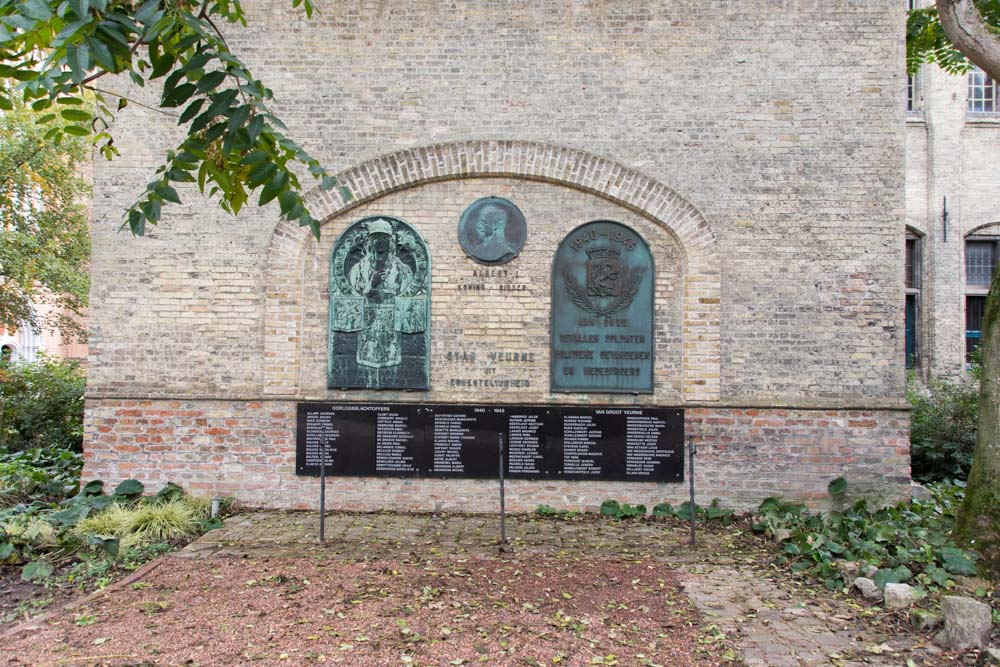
[(492, 230), (380, 273), (602, 311)]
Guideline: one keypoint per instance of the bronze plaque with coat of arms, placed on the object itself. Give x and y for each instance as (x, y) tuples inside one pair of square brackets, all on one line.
[(602, 311)]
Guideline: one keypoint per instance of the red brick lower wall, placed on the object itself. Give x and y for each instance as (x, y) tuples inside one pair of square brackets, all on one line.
[(247, 450)]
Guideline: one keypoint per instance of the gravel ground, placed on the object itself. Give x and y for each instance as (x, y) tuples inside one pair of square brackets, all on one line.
[(537, 610)]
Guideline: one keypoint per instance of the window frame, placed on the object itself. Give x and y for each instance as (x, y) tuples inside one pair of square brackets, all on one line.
[(977, 80), (912, 287), (976, 290)]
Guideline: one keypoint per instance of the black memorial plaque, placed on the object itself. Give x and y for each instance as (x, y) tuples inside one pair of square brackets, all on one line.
[(462, 441), (526, 442)]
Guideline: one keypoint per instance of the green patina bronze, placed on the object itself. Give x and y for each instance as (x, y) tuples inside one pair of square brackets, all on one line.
[(602, 311), (492, 230), (380, 273)]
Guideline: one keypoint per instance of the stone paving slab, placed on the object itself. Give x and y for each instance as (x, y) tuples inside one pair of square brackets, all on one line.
[(771, 619)]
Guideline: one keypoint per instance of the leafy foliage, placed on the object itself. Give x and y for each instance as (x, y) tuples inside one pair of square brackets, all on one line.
[(44, 237), (50, 474), (615, 510), (48, 520), (41, 407), (926, 41), (549, 511), (55, 53), (942, 427), (683, 512), (906, 543)]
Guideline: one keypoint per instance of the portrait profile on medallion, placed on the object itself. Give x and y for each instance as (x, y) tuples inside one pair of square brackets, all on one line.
[(379, 307), (492, 230)]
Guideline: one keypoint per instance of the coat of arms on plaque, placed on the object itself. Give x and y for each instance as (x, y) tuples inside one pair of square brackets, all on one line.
[(606, 278), (379, 307)]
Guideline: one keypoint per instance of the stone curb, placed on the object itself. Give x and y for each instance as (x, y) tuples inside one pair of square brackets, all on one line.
[(37, 622)]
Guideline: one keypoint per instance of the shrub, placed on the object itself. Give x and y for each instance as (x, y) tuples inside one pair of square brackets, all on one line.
[(942, 427), (38, 474), (41, 405), (909, 542), (615, 510), (683, 512)]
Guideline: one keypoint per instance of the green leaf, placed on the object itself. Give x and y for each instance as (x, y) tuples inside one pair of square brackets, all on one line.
[(93, 488), (211, 81), (179, 95), (76, 115), (162, 64), (151, 209), (69, 516), (80, 7), (610, 508), (107, 543), (6, 550), (273, 188), (38, 569), (192, 110), (148, 11), (837, 487), (78, 59), (885, 576), (36, 9), (102, 55), (167, 193), (261, 173), (76, 131), (239, 117), (255, 127), (136, 223), (130, 488), (287, 200), (169, 492), (221, 101), (957, 561)]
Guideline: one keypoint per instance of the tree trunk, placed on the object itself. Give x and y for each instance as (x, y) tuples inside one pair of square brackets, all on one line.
[(966, 29), (978, 526)]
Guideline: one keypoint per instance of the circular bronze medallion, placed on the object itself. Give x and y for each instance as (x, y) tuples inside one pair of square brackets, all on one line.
[(492, 230)]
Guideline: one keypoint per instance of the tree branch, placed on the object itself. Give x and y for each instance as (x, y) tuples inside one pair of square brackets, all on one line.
[(967, 30), (131, 101)]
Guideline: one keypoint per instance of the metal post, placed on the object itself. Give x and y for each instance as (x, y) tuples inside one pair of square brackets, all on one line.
[(691, 452), (503, 508), (322, 492)]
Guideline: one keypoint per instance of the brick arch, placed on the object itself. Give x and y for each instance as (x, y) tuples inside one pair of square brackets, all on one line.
[(483, 159)]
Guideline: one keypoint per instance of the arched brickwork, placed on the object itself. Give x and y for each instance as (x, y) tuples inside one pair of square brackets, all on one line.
[(480, 159)]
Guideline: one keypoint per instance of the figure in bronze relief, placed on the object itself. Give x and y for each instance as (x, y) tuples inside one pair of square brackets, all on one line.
[(379, 307)]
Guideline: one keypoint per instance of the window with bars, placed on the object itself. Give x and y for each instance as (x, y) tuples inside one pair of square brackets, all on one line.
[(983, 93), (911, 92), (980, 261)]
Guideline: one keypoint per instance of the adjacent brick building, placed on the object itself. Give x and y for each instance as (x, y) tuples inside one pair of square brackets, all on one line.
[(952, 216), (758, 147)]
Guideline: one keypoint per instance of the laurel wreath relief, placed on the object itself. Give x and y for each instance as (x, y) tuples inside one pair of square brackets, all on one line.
[(578, 294)]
